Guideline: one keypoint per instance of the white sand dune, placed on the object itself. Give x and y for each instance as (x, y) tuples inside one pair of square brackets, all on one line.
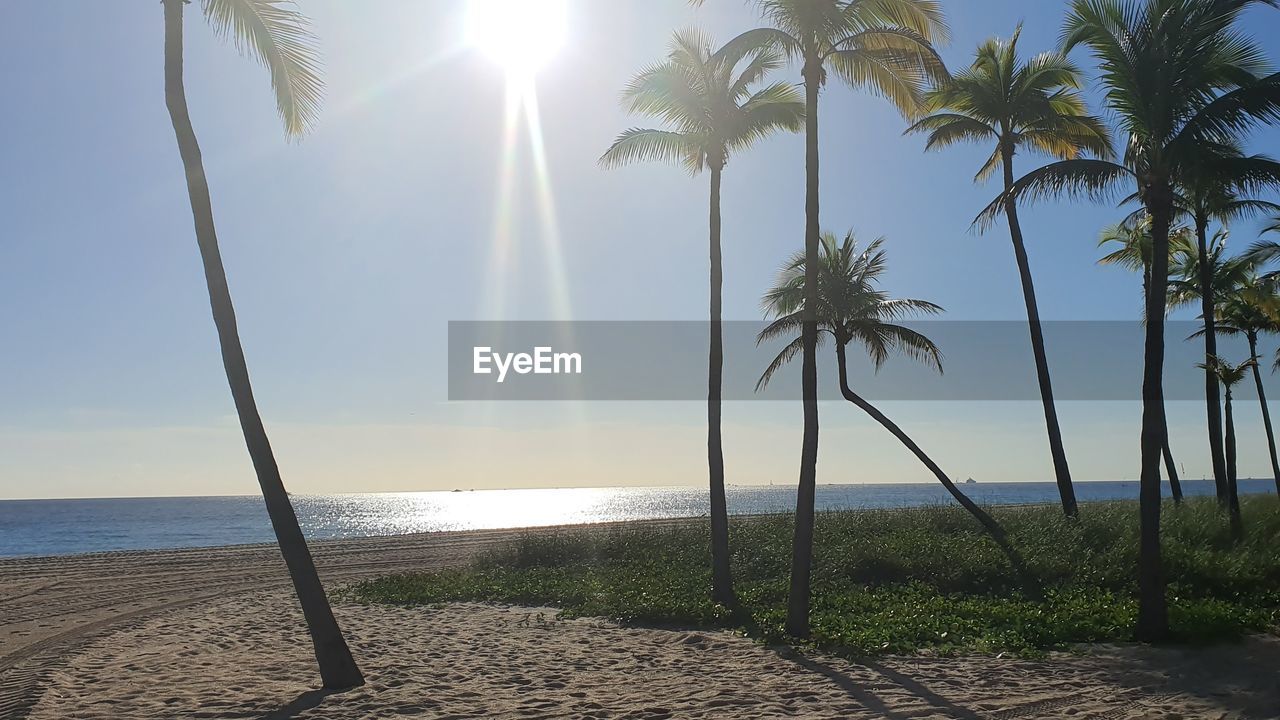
[(225, 650)]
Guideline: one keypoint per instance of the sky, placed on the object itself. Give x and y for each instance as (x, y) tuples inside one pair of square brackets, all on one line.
[(349, 251)]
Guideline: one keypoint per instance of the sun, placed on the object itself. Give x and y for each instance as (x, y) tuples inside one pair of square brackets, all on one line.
[(520, 35)]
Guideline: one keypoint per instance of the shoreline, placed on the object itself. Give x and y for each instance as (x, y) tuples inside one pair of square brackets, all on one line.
[(940, 501), (218, 628)]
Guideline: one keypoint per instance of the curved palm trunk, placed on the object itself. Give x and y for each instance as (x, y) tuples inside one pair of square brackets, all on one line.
[(721, 579), (1062, 473), (337, 668), (989, 523), (1153, 608), (1233, 498), (1266, 411), (1212, 400), (802, 548)]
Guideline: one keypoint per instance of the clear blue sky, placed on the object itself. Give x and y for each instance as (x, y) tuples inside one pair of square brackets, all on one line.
[(349, 251)]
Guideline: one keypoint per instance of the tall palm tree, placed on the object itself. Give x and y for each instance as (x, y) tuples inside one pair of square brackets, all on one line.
[(279, 38), (1133, 235), (714, 104), (1208, 194), (885, 46), (851, 306), (1015, 105), (1230, 375), (1234, 284), (1182, 81), (1250, 309)]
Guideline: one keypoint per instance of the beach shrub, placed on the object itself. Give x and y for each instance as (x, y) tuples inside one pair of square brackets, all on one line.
[(897, 581)]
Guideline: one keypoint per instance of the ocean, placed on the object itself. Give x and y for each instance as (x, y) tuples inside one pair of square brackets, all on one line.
[(64, 527)]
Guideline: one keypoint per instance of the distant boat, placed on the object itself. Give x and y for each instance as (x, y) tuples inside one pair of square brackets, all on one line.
[(970, 481)]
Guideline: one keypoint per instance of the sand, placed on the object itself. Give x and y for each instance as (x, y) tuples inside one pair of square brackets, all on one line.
[(216, 634)]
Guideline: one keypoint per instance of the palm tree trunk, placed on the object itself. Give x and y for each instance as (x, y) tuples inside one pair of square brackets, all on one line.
[(989, 523), (1153, 608), (1062, 473), (1175, 486), (1212, 400), (721, 579), (1233, 498), (802, 549), (337, 668), (1266, 411)]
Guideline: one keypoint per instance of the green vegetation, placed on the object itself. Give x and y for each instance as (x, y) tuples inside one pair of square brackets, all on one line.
[(895, 580)]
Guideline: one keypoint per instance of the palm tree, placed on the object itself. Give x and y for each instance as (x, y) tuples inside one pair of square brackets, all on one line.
[(852, 307), (1250, 309), (1133, 235), (278, 37), (1182, 80), (1033, 105), (1208, 194), (885, 46), (1230, 375), (1236, 289), (714, 106)]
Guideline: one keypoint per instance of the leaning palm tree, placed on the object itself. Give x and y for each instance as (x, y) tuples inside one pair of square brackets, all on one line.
[(1133, 235), (851, 306), (714, 105), (885, 46), (1230, 376), (278, 36), (1250, 309), (1207, 194), (1182, 81), (1015, 105)]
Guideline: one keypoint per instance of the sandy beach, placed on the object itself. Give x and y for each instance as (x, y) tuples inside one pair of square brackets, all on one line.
[(215, 633)]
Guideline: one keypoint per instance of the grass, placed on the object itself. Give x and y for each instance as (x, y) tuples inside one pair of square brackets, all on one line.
[(895, 581)]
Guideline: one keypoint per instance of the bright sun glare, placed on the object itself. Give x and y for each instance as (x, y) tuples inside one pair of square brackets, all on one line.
[(520, 35)]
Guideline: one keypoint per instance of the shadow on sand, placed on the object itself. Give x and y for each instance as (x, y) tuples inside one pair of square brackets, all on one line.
[(308, 700), (859, 692)]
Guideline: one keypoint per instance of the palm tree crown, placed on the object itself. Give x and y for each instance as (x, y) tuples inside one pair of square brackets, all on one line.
[(1184, 83), (885, 46), (1226, 273), (1133, 236), (851, 306), (1228, 374), (1251, 307), (710, 102), (1014, 104), (1223, 188)]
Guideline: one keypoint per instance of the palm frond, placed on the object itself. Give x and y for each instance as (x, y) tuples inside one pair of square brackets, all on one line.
[(896, 63), (1094, 179), (641, 144), (279, 37)]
